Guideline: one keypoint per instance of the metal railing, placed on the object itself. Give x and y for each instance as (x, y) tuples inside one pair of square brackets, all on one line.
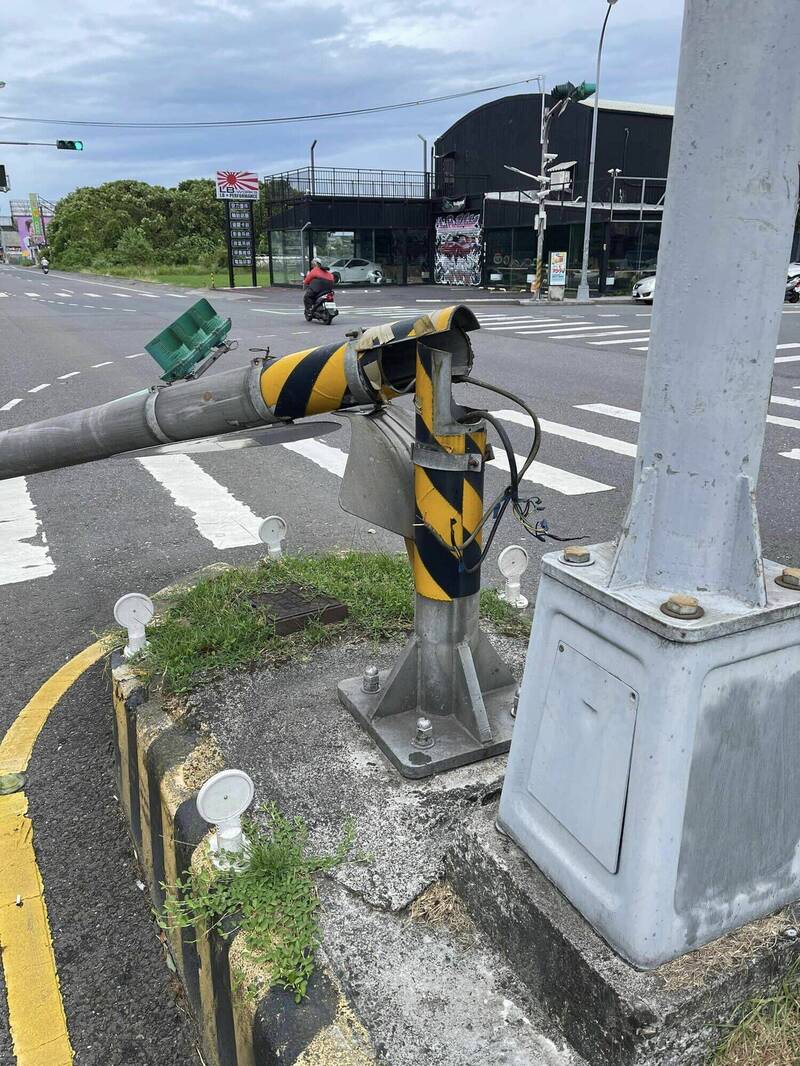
[(358, 184), (347, 182)]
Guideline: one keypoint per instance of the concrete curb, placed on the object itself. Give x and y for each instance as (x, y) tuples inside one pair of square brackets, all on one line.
[(160, 764)]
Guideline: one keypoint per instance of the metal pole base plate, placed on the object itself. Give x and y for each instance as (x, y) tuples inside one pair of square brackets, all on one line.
[(390, 714)]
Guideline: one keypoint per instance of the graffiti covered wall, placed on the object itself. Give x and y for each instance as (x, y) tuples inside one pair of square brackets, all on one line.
[(457, 252)]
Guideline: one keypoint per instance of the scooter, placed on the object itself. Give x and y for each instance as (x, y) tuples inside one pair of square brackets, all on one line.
[(323, 309), (792, 294), (45, 268)]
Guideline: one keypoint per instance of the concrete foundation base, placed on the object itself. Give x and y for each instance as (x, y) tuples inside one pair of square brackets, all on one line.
[(655, 768), (607, 1010)]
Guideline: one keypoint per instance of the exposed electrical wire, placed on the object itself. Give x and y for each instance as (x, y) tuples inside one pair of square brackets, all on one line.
[(266, 121)]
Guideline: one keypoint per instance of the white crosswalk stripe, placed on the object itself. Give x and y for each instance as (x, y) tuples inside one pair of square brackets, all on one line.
[(21, 560), (225, 521), (629, 415), (217, 514), (582, 436)]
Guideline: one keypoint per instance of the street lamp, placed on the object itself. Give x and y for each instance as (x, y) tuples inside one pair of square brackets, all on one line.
[(313, 146), (424, 164), (583, 287), (615, 173)]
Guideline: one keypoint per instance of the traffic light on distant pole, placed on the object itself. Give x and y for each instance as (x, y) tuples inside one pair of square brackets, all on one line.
[(70, 146)]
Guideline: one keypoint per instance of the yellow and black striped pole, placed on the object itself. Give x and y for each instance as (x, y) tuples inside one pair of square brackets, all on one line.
[(448, 494)]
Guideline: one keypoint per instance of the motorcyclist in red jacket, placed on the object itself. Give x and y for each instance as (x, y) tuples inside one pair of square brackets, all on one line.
[(316, 281)]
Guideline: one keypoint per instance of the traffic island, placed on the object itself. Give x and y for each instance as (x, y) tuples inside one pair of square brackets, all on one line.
[(438, 941)]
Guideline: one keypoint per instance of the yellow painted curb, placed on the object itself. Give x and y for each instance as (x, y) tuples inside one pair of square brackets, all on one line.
[(36, 1015)]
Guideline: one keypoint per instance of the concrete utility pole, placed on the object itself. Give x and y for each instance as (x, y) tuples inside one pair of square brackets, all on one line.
[(654, 773)]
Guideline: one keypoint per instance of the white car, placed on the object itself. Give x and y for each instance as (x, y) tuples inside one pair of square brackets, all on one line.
[(348, 271), (793, 272), (644, 290)]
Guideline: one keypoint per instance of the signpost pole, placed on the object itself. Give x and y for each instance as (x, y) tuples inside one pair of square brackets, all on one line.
[(231, 278), (253, 244)]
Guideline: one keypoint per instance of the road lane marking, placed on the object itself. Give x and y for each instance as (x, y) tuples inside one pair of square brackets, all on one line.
[(38, 388), (10, 404), (122, 295), (71, 374), (135, 355), (580, 328), (551, 477), (65, 293), (522, 325), (108, 362), (787, 401), (792, 345), (788, 359), (607, 314), (94, 295), (582, 436), (634, 416), (217, 514), (37, 1021), (19, 524), (104, 308), (332, 459), (35, 295), (621, 340)]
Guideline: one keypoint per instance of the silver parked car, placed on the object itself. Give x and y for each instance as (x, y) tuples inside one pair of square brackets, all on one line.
[(349, 271), (644, 290)]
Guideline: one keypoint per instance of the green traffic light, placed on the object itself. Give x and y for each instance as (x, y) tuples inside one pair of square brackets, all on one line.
[(585, 90), (78, 146)]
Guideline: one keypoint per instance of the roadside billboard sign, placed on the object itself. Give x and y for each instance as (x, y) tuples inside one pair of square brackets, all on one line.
[(237, 185), (558, 268), (36, 217)]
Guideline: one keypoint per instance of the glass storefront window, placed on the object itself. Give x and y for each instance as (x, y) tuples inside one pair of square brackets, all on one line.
[(418, 257), (288, 262), (360, 257)]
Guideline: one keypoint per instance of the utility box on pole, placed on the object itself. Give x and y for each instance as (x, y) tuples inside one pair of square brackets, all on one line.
[(654, 774)]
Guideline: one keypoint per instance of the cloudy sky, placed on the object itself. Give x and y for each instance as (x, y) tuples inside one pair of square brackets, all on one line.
[(203, 60)]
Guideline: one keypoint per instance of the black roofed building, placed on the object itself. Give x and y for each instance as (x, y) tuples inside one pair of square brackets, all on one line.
[(472, 221)]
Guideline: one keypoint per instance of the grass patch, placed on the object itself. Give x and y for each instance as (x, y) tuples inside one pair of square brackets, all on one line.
[(439, 905), (193, 277), (767, 1031), (508, 620), (274, 901), (212, 626)]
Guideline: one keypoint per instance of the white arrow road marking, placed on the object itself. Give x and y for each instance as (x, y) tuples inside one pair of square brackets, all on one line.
[(19, 524), (582, 436), (217, 514)]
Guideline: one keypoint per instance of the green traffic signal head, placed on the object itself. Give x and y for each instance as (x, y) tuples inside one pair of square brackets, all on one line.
[(563, 91), (70, 146), (568, 91)]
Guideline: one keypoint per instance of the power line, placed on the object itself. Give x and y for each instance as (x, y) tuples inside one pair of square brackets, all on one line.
[(267, 121)]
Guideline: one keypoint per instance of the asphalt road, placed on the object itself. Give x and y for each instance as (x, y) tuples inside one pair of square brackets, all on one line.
[(72, 541)]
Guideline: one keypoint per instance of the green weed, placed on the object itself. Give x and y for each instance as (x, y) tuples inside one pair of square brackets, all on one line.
[(274, 901), (766, 1031)]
